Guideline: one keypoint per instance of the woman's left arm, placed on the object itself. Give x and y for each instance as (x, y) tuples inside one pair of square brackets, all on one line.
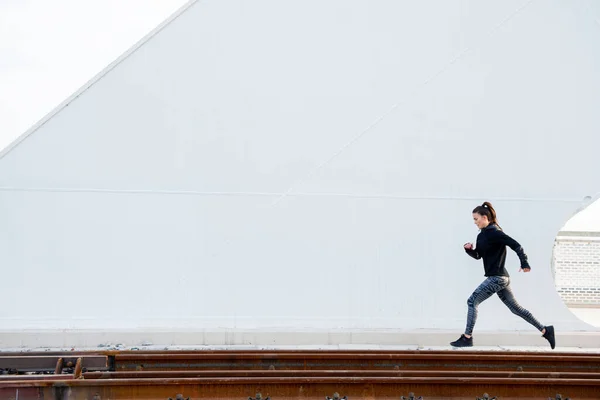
[(506, 240)]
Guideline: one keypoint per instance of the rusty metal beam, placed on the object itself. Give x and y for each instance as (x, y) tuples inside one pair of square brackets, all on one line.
[(336, 373), (35, 377), (45, 363), (309, 374), (59, 365), (78, 368), (306, 387), (342, 360)]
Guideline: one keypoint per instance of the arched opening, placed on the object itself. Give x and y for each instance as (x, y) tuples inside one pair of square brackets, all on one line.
[(576, 263)]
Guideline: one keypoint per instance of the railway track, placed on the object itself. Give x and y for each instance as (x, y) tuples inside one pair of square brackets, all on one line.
[(256, 374)]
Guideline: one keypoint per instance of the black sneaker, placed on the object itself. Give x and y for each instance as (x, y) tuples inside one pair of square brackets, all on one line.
[(549, 335), (463, 341)]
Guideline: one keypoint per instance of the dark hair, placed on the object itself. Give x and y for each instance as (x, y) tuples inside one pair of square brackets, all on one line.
[(487, 210)]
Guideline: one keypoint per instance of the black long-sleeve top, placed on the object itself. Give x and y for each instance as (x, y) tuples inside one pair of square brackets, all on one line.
[(491, 246)]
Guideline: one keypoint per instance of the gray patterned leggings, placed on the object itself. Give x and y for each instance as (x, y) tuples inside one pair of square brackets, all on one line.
[(500, 285)]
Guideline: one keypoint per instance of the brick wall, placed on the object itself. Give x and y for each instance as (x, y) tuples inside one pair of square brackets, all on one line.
[(576, 267)]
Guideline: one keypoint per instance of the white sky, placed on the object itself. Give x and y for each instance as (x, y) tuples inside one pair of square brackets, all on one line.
[(50, 48), (587, 220)]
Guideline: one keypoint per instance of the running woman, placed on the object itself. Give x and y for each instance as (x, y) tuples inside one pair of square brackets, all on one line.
[(491, 246)]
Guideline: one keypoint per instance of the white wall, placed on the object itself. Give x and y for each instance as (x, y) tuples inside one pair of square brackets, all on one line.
[(227, 173)]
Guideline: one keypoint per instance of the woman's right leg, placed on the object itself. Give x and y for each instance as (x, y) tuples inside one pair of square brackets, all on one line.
[(487, 288)]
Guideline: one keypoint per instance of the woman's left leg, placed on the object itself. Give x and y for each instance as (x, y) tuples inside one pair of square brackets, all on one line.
[(508, 298)]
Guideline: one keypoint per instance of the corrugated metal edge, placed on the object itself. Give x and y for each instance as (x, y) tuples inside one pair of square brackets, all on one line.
[(578, 234), (96, 78)]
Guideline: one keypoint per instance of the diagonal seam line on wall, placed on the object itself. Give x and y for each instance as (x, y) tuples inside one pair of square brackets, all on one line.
[(447, 65)]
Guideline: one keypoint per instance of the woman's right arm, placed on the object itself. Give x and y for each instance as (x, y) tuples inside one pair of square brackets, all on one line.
[(472, 252)]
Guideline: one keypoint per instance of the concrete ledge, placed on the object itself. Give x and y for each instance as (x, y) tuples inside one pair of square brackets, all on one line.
[(93, 339)]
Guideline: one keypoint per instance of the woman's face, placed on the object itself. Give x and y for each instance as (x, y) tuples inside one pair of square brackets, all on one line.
[(480, 220)]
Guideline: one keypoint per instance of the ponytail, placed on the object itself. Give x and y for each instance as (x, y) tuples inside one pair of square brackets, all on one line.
[(487, 210)]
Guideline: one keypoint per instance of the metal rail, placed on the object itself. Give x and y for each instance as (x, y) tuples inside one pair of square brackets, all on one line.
[(342, 360), (282, 375), (306, 387)]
